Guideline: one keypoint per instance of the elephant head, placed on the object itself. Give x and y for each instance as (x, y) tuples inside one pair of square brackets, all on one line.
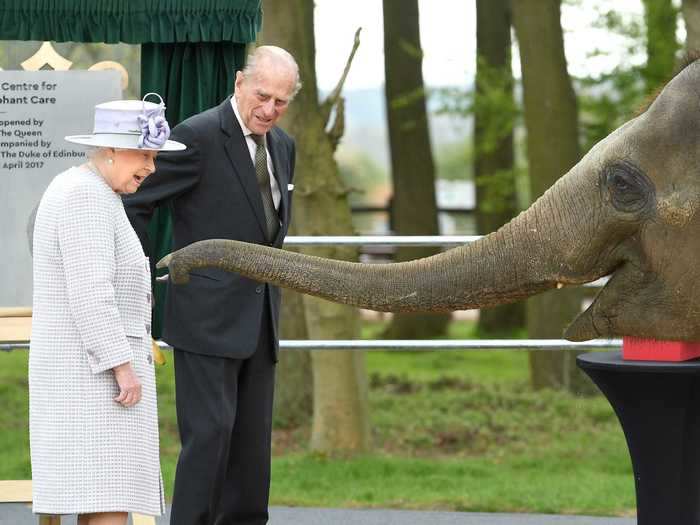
[(627, 210)]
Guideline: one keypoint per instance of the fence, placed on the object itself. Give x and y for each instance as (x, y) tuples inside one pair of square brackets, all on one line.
[(404, 345)]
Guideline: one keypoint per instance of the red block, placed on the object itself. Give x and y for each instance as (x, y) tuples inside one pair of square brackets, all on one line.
[(636, 349)]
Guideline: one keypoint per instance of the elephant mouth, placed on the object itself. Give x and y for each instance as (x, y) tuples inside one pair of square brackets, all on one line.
[(592, 322), (616, 299)]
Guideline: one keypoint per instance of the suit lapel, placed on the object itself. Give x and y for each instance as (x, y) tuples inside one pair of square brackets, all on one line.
[(282, 176), (239, 156)]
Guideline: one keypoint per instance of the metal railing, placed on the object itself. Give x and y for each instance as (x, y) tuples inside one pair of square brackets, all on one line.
[(380, 240), (408, 345)]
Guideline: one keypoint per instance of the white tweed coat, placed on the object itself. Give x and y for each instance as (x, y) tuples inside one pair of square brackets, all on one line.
[(91, 313)]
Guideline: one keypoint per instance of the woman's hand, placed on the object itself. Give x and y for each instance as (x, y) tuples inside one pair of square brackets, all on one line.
[(129, 385)]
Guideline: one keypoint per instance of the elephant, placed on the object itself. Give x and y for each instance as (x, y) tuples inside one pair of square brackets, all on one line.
[(627, 210)]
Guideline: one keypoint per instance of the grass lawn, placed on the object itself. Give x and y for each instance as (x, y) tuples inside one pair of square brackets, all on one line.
[(452, 430)]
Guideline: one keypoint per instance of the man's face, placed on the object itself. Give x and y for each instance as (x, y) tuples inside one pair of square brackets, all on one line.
[(264, 96)]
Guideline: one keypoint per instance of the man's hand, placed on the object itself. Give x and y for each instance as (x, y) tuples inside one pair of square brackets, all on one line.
[(129, 385)]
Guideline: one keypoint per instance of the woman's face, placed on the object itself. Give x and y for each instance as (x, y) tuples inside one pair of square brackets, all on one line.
[(129, 169)]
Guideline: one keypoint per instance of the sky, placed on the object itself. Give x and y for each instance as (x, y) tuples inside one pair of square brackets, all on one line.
[(448, 38)]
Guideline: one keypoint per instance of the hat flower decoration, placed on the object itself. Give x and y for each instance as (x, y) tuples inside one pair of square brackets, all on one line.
[(154, 128)]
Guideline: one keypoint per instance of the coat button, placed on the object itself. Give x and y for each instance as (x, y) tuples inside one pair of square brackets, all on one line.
[(150, 359), (259, 288), (148, 328)]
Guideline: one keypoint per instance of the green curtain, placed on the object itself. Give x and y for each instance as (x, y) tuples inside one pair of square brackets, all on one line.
[(190, 78), (131, 21)]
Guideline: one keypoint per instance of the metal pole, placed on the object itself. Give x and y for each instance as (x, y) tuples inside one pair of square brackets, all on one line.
[(450, 344), (418, 344), (380, 240)]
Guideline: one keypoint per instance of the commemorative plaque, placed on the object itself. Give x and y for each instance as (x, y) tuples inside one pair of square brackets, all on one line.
[(38, 109)]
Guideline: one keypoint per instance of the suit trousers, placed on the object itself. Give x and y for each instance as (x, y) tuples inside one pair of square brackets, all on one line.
[(224, 414)]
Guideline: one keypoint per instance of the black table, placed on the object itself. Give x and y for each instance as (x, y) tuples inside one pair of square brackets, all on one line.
[(658, 405)]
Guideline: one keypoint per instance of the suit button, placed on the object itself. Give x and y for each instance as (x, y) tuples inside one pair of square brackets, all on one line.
[(148, 328), (150, 359), (259, 288)]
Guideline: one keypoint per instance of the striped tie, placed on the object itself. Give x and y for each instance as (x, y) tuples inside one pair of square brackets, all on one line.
[(271, 218)]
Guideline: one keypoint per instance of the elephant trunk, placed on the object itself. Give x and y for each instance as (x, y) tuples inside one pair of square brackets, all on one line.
[(536, 251)]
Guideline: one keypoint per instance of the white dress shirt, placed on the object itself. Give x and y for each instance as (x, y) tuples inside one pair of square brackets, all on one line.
[(276, 195)]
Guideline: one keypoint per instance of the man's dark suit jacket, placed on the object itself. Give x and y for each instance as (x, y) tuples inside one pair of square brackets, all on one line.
[(214, 194)]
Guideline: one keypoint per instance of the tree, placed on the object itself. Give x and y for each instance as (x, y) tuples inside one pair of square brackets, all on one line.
[(414, 207), (608, 100), (691, 15), (660, 17), (552, 149), (340, 420), (494, 115)]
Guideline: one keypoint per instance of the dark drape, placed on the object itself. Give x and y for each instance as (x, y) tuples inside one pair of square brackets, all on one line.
[(131, 21), (190, 78)]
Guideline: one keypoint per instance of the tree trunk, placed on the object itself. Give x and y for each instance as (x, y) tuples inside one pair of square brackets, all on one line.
[(494, 113), (552, 146), (691, 15), (340, 419), (660, 17), (414, 207), (293, 400)]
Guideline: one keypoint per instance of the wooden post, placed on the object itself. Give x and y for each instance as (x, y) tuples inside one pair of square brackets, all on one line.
[(15, 324), (138, 519)]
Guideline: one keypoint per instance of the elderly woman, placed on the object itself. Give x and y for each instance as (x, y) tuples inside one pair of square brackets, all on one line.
[(93, 417)]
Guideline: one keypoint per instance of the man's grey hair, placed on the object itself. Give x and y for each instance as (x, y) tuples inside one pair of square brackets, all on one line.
[(276, 54)]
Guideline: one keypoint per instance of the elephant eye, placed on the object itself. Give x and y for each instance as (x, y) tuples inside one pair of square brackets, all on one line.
[(630, 190)]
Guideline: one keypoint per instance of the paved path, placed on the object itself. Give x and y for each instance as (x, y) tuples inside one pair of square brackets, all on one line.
[(15, 514)]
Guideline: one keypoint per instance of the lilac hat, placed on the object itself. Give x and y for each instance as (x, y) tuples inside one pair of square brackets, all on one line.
[(130, 124)]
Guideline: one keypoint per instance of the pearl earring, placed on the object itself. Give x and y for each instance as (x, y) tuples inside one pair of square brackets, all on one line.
[(110, 161)]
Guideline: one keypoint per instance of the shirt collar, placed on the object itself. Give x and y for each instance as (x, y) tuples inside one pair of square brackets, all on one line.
[(234, 104)]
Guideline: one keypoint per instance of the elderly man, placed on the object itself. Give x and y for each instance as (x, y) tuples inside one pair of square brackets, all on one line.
[(232, 182)]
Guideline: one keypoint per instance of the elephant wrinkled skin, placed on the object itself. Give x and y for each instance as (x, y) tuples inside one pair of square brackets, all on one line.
[(628, 209)]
